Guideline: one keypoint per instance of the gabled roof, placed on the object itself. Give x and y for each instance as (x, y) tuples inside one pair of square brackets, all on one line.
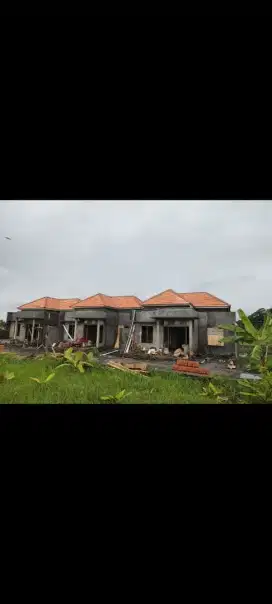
[(167, 298), (126, 302), (204, 300), (103, 301), (47, 303)]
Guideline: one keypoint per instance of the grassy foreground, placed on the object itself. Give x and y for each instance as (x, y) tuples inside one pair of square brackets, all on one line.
[(70, 386)]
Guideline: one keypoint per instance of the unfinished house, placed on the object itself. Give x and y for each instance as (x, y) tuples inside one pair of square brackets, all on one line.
[(171, 320), (39, 319), (98, 319), (168, 320)]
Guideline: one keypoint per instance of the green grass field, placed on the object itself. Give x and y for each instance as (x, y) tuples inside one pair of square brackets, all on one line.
[(70, 386)]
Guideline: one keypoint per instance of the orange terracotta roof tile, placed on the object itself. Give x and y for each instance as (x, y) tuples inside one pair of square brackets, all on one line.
[(204, 299), (102, 301), (126, 302), (166, 298), (47, 303)]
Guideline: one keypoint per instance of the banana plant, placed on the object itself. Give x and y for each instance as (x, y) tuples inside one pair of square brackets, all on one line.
[(6, 376), (78, 360), (115, 398), (259, 391), (259, 340), (214, 393), (45, 381)]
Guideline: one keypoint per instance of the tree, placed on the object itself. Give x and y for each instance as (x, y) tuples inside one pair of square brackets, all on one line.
[(257, 318)]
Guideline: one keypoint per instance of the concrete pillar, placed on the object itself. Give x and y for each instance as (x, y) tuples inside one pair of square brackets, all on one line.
[(75, 331), (22, 332), (15, 328), (103, 339), (191, 336), (195, 336), (32, 331), (11, 329), (97, 334), (157, 335), (80, 330)]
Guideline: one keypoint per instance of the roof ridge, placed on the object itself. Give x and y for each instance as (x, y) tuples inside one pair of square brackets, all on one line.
[(163, 292), (166, 291)]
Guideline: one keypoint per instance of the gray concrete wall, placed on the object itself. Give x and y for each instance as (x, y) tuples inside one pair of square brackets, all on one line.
[(54, 334), (21, 335), (11, 316), (86, 314), (215, 318), (11, 329), (150, 315), (195, 335), (111, 325), (202, 333), (80, 330), (31, 314), (22, 332), (124, 317)]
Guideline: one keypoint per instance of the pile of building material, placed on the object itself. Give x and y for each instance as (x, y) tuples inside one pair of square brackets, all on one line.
[(192, 367), (129, 367)]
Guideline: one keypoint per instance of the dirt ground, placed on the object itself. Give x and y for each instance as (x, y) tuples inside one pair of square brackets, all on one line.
[(214, 367)]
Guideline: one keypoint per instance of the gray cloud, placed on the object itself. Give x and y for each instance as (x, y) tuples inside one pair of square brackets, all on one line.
[(69, 249)]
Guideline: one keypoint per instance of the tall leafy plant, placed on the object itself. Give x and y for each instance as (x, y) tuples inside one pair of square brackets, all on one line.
[(78, 360), (257, 340)]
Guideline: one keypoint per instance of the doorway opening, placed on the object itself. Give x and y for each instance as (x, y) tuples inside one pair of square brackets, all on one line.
[(90, 333), (175, 337)]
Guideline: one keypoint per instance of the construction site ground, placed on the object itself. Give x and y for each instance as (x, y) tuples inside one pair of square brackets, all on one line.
[(214, 366)]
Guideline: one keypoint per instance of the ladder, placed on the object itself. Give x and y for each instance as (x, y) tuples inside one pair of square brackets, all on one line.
[(131, 332)]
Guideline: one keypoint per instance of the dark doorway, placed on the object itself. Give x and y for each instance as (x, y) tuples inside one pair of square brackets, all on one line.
[(175, 337), (90, 333)]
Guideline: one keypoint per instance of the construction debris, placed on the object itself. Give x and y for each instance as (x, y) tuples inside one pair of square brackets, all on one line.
[(191, 367), (137, 366), (129, 368), (152, 351), (231, 365), (178, 352), (105, 354)]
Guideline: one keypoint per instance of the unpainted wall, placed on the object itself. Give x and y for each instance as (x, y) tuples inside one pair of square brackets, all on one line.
[(54, 334), (125, 317), (111, 325), (22, 333), (11, 329), (151, 315), (216, 318)]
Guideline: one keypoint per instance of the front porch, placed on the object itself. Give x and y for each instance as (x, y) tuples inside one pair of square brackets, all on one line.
[(171, 334)]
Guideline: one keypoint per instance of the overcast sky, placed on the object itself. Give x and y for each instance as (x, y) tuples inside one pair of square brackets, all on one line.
[(76, 249)]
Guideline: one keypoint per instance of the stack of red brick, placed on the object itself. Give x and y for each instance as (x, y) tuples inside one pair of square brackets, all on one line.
[(189, 367)]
